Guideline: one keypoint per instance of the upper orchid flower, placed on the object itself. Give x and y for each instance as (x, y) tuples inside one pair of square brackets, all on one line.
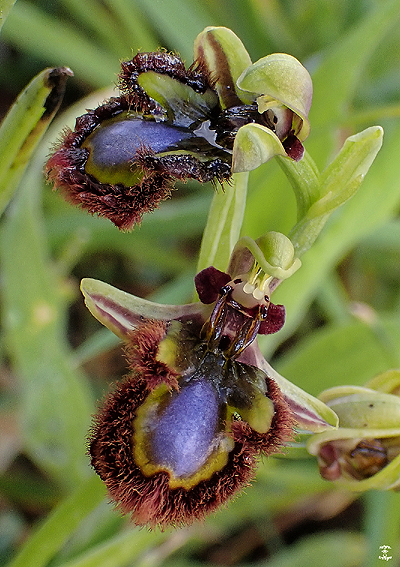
[(182, 433), (221, 115)]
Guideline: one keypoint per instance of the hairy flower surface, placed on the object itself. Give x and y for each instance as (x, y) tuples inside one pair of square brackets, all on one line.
[(172, 123), (183, 432)]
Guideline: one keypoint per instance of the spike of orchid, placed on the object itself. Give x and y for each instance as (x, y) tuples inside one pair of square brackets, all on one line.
[(183, 432), (171, 123)]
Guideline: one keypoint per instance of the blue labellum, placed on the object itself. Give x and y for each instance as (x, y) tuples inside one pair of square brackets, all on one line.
[(183, 437), (116, 143)]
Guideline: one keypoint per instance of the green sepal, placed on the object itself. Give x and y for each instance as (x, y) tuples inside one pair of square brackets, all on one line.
[(362, 407), (338, 183), (122, 312), (255, 145), (280, 77), (388, 382), (223, 56)]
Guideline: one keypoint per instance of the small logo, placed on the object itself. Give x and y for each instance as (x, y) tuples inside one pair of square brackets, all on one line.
[(385, 550)]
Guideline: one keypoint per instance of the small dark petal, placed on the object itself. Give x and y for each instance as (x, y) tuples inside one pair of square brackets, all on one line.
[(329, 465), (208, 284), (294, 148), (274, 321)]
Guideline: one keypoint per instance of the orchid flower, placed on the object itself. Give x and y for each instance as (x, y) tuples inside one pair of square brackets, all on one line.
[(220, 116), (183, 432)]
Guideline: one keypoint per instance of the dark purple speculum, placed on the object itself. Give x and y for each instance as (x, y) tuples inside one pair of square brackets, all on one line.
[(116, 143), (183, 437)]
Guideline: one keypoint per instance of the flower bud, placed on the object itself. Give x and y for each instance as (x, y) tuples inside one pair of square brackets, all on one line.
[(364, 452)]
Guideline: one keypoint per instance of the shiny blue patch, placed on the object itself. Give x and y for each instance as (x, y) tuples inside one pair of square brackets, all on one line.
[(183, 437)]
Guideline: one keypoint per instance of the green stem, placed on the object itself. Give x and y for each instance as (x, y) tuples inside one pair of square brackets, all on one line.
[(303, 176), (382, 520), (224, 223)]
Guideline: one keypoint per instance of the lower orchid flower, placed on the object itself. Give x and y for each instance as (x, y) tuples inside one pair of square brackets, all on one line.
[(182, 433)]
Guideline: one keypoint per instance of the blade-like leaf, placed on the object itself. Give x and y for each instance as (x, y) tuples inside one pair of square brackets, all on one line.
[(55, 403), (25, 124)]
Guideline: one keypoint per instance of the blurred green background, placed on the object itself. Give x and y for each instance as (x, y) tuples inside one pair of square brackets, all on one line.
[(343, 306)]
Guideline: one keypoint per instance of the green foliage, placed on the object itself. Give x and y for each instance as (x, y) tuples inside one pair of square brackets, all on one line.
[(343, 305)]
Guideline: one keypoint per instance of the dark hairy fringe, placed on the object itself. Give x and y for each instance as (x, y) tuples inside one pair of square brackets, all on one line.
[(150, 500), (165, 64)]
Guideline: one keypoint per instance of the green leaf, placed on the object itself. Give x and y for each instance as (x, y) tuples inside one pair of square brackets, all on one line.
[(338, 182), (333, 549), (55, 402), (342, 65), (25, 124), (59, 42), (121, 550), (5, 8), (60, 524)]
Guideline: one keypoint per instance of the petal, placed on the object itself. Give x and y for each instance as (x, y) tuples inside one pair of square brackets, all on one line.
[(209, 282), (283, 78), (150, 499), (122, 312), (255, 145), (221, 53)]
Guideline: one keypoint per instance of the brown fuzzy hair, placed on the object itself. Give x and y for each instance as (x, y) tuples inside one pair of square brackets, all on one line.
[(149, 499), (124, 206)]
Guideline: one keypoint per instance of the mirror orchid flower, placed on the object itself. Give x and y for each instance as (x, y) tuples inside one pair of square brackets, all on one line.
[(221, 115), (183, 432)]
